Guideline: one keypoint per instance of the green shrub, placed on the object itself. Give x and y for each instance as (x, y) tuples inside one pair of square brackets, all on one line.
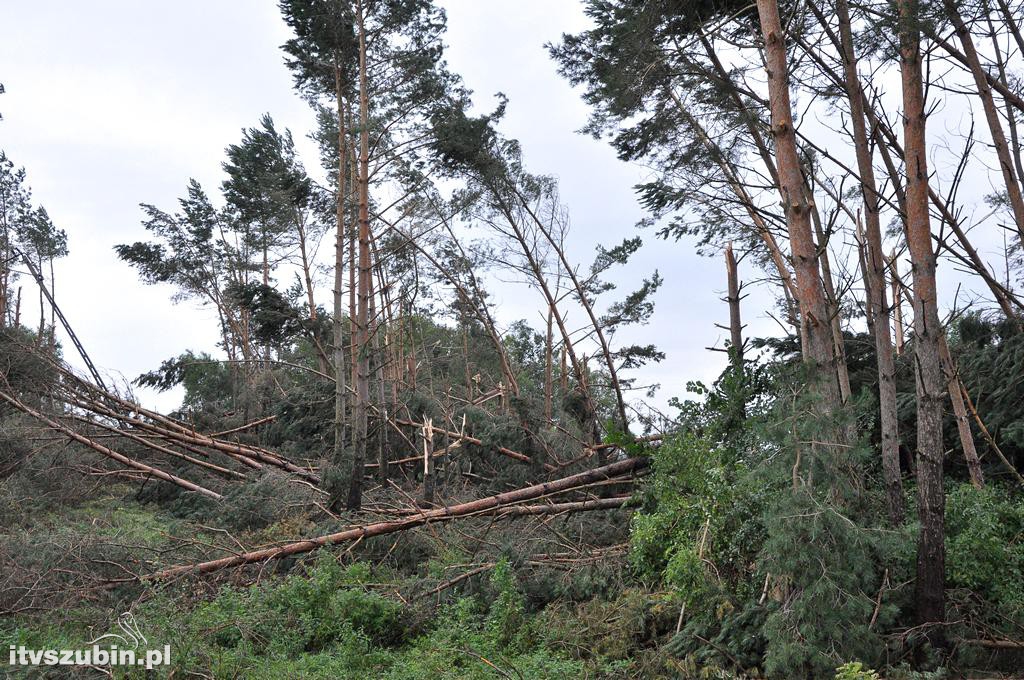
[(855, 670), (985, 544)]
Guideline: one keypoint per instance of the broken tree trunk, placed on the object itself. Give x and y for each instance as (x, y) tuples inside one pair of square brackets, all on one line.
[(509, 453), (428, 461), (989, 438), (963, 424), (735, 324)]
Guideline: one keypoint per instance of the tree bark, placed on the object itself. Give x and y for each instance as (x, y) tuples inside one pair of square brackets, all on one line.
[(897, 303), (774, 251), (428, 461), (995, 126), (963, 423), (931, 385), (585, 302), (109, 453), (814, 316), (874, 271), (549, 385), (355, 491), (832, 300), (735, 323), (340, 368)]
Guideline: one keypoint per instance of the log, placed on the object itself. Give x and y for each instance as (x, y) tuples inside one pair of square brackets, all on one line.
[(169, 423), (380, 528), (636, 440), (570, 506)]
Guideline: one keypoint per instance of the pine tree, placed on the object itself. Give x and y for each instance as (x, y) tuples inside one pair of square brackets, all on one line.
[(931, 552), (390, 54)]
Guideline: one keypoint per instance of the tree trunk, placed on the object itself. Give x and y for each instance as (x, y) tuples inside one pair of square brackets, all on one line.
[(591, 428), (832, 300), (109, 453), (355, 491), (774, 251), (480, 506), (549, 386), (735, 324), (814, 318), (931, 385), (897, 303), (376, 369), (428, 461), (874, 272), (963, 423), (340, 369), (585, 302), (352, 259)]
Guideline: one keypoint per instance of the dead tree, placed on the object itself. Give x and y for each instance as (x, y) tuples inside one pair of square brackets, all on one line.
[(733, 299), (108, 452), (963, 424)]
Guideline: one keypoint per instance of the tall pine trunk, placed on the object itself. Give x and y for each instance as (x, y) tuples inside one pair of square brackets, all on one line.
[(874, 271), (355, 492), (733, 299), (931, 385), (818, 350), (340, 381)]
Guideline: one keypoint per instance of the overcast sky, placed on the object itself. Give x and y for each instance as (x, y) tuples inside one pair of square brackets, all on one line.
[(116, 102)]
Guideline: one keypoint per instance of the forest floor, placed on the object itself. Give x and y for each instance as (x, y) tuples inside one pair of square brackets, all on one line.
[(520, 598)]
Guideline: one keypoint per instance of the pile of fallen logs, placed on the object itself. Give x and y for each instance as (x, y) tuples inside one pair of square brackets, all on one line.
[(110, 424)]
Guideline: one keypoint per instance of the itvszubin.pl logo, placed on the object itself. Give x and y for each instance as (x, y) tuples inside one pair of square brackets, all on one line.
[(127, 649)]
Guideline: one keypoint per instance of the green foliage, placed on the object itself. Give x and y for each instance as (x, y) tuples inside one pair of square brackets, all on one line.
[(206, 380), (616, 629), (855, 670), (688, 506), (507, 612), (330, 623), (985, 546), (26, 231), (328, 609), (827, 571), (777, 578)]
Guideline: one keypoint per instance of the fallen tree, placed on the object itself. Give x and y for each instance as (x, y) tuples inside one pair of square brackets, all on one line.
[(479, 506), (108, 452)]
